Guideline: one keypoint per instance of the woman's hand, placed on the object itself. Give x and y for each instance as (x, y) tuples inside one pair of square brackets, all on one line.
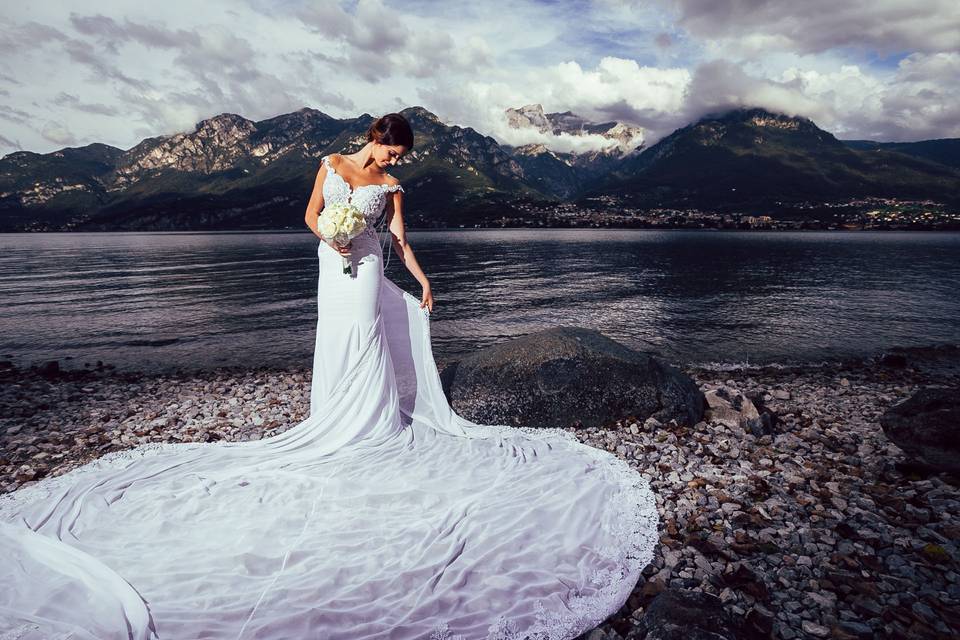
[(343, 250), (427, 298)]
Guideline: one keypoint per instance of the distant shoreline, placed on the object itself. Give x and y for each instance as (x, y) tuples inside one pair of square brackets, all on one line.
[(442, 229)]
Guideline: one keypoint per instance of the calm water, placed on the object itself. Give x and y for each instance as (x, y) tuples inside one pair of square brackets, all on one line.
[(158, 301)]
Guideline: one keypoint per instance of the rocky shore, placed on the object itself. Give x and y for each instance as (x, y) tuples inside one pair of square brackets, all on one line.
[(807, 523)]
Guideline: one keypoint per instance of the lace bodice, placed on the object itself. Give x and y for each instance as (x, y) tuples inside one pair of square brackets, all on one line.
[(369, 198)]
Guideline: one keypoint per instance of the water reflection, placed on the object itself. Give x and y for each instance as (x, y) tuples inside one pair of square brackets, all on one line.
[(196, 300)]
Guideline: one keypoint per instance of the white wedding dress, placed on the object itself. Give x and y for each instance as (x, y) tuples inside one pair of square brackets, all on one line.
[(384, 514)]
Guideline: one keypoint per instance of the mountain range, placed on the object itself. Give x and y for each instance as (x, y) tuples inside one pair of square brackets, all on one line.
[(234, 173)]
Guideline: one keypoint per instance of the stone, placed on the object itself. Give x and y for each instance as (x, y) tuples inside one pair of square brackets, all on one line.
[(852, 629), (814, 629), (568, 376), (927, 427), (681, 614), (732, 408), (50, 368)]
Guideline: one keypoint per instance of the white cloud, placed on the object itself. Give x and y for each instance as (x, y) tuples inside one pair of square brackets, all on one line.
[(616, 89), (919, 101), (119, 72), (57, 133)]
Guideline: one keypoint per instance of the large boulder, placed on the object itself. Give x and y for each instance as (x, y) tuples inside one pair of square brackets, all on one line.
[(568, 376), (681, 614), (927, 427)]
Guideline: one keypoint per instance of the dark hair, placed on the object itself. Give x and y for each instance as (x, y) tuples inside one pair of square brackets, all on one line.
[(391, 129)]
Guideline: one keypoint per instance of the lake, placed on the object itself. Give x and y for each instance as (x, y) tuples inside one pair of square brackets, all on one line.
[(158, 301)]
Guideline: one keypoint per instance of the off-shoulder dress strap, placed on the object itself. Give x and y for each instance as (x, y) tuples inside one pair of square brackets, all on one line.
[(392, 188)]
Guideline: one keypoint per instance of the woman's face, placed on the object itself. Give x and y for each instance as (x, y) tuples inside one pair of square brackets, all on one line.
[(388, 155)]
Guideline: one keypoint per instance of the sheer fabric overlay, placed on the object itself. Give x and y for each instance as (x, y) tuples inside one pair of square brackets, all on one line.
[(384, 514)]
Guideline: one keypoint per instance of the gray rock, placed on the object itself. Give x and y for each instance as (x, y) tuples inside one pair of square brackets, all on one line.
[(927, 427), (568, 376), (814, 629), (854, 629), (732, 408), (678, 614)]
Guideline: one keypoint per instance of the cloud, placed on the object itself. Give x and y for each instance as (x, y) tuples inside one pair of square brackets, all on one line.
[(74, 102), (617, 89), (720, 85), (813, 26), (58, 133), (921, 100), (13, 114), (103, 70), (133, 70), (111, 32), (11, 144), (14, 38), (373, 52), (223, 68)]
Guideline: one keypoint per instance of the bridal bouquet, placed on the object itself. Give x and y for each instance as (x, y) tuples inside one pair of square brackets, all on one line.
[(341, 222)]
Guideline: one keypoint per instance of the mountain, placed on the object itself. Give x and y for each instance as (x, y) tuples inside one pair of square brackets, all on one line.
[(751, 157), (945, 151), (566, 173), (624, 137), (235, 173), (230, 172)]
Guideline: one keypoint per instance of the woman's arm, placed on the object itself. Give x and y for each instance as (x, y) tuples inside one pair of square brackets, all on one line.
[(403, 249), (315, 206)]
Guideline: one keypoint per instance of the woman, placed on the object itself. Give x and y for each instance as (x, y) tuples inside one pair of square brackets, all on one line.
[(384, 514)]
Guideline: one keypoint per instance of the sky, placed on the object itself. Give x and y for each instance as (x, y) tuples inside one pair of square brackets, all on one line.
[(116, 72)]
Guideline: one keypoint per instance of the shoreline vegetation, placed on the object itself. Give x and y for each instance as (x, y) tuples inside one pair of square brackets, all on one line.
[(818, 527)]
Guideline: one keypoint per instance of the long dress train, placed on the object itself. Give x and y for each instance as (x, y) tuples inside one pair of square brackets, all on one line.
[(384, 514)]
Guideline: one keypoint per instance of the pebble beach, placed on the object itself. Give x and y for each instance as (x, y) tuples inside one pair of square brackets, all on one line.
[(817, 528)]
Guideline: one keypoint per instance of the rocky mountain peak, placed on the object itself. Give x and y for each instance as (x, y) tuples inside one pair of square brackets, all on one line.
[(760, 117), (624, 137), (420, 113), (310, 111), (531, 149), (225, 125), (530, 115), (757, 124)]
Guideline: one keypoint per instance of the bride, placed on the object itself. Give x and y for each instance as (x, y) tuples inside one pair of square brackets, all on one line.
[(383, 514)]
